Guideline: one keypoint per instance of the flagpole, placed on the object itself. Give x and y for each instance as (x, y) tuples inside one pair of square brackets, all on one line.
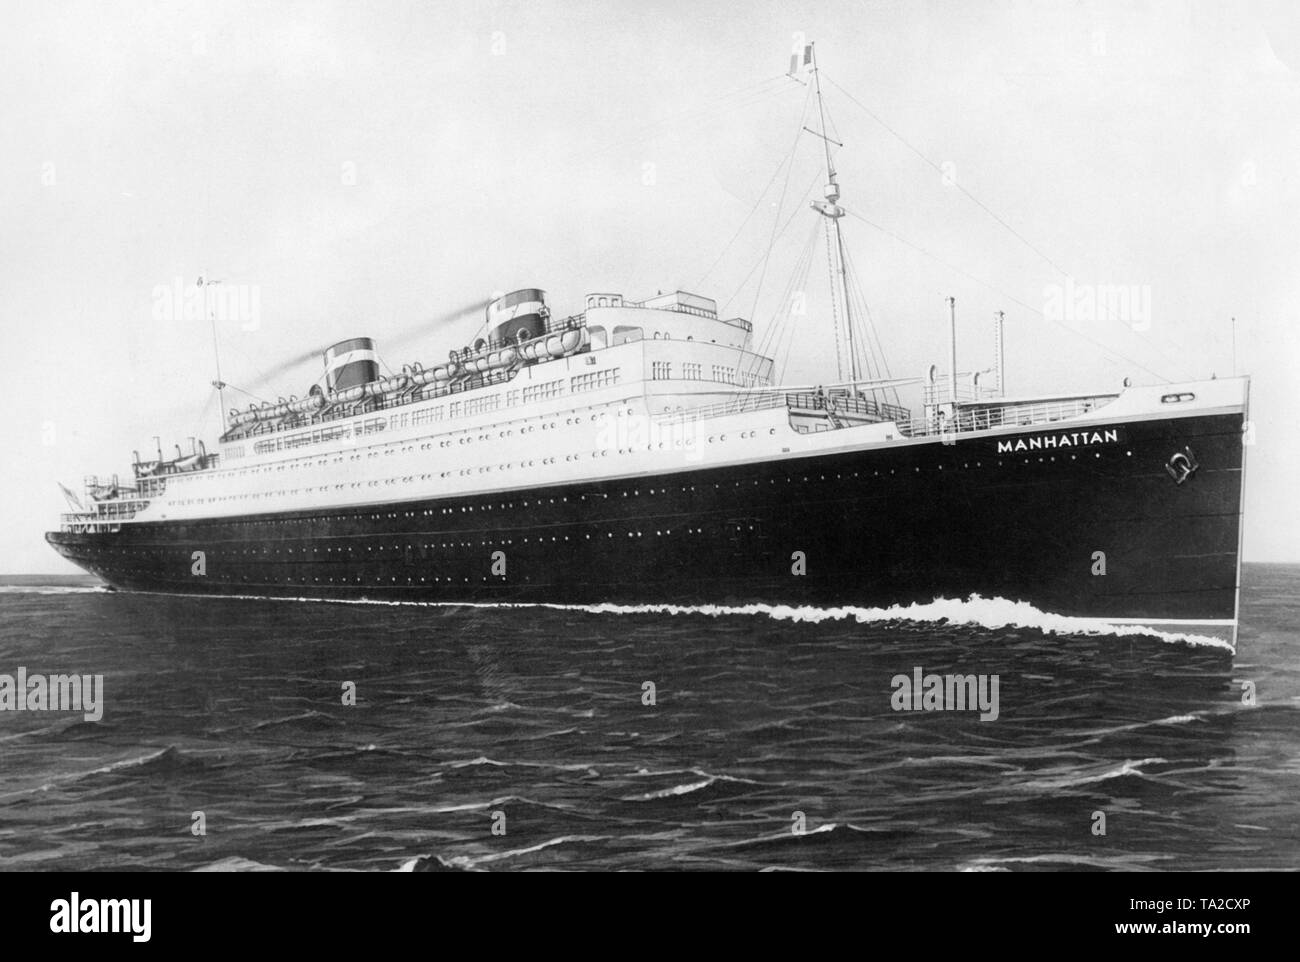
[(219, 384)]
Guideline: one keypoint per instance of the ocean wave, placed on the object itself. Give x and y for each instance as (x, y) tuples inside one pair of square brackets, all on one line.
[(1126, 769), (237, 863), (470, 863), (1060, 860), (54, 590), (516, 802), (167, 759), (832, 836), (311, 715), (483, 760), (678, 788)]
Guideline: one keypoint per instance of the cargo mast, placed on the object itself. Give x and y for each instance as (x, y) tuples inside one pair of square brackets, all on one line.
[(832, 211)]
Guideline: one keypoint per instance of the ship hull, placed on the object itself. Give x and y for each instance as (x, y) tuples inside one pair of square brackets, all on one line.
[(1100, 531)]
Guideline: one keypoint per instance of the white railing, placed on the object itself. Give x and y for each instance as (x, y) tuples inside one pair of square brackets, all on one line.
[(801, 401), (988, 416), (736, 405)]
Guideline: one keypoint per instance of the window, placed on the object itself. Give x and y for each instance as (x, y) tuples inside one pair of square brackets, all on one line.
[(480, 404), (547, 389), (692, 372), (660, 370), (427, 415), (593, 380)]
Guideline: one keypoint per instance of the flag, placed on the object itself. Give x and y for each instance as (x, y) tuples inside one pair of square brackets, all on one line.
[(801, 60)]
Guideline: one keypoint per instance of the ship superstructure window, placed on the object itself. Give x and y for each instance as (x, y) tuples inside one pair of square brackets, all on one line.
[(660, 370), (455, 410), (726, 375), (693, 372), (480, 404), (427, 415), (512, 397), (307, 437), (547, 389), (596, 379)]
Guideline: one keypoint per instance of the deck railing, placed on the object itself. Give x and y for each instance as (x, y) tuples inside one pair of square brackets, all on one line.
[(987, 416), (740, 404), (978, 417)]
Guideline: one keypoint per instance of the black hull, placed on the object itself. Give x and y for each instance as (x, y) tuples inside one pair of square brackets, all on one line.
[(878, 527)]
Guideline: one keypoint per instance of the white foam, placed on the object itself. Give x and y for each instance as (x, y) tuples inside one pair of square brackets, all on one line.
[(975, 610)]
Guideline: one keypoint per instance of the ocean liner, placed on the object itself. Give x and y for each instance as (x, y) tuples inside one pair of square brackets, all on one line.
[(641, 451)]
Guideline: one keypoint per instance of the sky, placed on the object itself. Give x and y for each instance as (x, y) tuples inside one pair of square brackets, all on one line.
[(374, 169)]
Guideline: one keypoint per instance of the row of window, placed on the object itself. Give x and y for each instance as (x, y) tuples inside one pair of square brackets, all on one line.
[(593, 380), (467, 472), (425, 416), (660, 371), (320, 436), (663, 371), (547, 389), (468, 408), (479, 405), (678, 443)]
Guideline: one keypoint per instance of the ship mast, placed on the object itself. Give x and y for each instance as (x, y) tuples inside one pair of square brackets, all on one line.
[(831, 210), (219, 384)]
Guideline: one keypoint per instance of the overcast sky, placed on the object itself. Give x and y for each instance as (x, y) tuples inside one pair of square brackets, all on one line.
[(371, 168)]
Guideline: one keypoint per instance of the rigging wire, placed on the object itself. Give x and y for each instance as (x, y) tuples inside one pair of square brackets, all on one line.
[(872, 329), (1013, 299), (778, 331), (798, 282), (1171, 362), (916, 150), (781, 205), (235, 387), (784, 227), (769, 346), (196, 430), (835, 319), (771, 180)]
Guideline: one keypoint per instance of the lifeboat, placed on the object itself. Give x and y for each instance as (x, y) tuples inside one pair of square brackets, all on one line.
[(307, 405), (440, 374), (388, 385)]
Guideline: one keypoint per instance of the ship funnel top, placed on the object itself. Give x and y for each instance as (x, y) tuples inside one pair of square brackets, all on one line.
[(519, 313), (350, 364)]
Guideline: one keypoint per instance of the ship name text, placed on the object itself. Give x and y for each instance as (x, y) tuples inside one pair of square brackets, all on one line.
[(1063, 439)]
